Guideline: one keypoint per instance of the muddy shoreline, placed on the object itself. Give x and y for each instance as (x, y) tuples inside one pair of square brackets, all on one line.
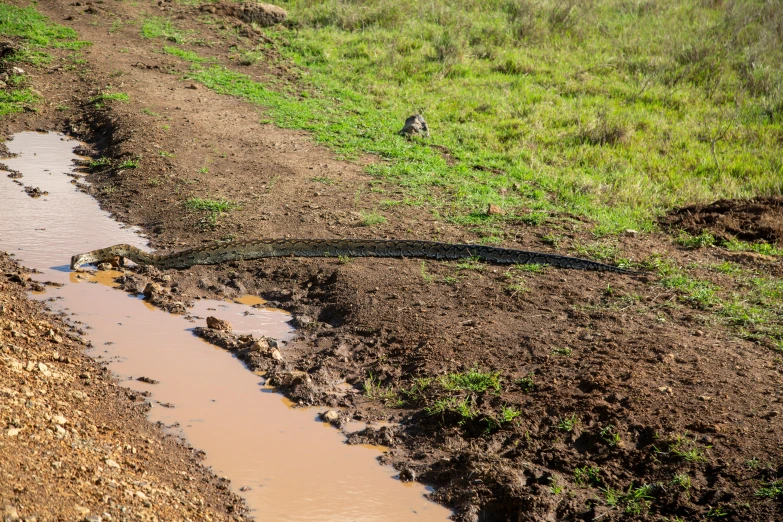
[(640, 376)]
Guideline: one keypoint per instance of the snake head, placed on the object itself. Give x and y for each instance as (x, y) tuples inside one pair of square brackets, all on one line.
[(77, 261)]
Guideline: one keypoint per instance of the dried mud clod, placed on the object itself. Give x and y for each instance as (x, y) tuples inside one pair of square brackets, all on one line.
[(263, 15)]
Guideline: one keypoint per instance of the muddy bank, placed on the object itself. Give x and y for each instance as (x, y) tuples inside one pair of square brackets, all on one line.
[(590, 383), (74, 445)]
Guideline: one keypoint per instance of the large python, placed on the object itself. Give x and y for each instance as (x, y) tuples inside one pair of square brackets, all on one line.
[(220, 252)]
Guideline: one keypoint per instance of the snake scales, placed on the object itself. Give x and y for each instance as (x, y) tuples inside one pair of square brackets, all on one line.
[(220, 252)]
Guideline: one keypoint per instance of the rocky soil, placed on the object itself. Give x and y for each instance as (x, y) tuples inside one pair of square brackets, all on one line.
[(74, 445)]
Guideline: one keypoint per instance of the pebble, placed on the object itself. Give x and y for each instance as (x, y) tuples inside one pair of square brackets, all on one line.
[(112, 464), (59, 419), (218, 324), (13, 432), (330, 416)]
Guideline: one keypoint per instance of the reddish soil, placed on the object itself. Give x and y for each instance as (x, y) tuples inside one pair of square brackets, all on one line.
[(757, 219), (607, 371)]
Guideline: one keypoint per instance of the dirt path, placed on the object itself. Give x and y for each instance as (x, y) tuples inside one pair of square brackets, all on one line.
[(608, 388)]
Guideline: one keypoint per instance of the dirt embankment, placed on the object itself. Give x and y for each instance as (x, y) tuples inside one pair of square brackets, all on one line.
[(610, 398)]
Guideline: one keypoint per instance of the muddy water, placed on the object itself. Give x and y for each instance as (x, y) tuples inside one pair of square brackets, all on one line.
[(287, 465)]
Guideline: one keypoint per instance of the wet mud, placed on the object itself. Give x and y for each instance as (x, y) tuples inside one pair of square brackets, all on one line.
[(282, 461)]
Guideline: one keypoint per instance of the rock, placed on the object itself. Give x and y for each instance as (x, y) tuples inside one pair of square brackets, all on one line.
[(11, 514), (152, 289), (59, 419), (93, 518), (105, 266), (494, 210), (147, 380), (83, 511), (666, 389), (291, 378), (141, 495), (112, 464), (276, 355), (17, 70), (407, 475), (415, 125), (218, 324), (631, 232), (330, 416)]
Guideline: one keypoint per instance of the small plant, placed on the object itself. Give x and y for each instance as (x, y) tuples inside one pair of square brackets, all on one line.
[(526, 384), (211, 205), (99, 163), (165, 154), (343, 260), (565, 352), (587, 476), (149, 112), (424, 274), (473, 380), (508, 413), (568, 423), (752, 463), (128, 164), (609, 436), (323, 179), (682, 480), (717, 512), (771, 489), (203, 170), (99, 101), (471, 263), (686, 240), (683, 447), (370, 218), (375, 391), (554, 487)]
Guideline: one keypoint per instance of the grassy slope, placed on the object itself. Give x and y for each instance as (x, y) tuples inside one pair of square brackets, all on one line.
[(36, 34), (616, 110)]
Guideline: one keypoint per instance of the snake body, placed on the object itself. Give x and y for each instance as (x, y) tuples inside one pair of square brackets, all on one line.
[(220, 252)]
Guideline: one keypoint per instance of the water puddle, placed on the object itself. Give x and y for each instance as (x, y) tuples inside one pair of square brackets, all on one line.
[(282, 461)]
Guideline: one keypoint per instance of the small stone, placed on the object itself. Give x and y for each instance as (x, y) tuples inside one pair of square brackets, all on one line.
[(93, 518), (276, 355), (83, 511), (407, 475), (330, 416), (141, 495), (112, 464), (218, 324), (11, 513), (151, 289), (147, 380), (59, 419), (42, 367), (666, 389), (494, 210), (705, 398), (105, 266), (698, 333), (631, 232), (261, 345)]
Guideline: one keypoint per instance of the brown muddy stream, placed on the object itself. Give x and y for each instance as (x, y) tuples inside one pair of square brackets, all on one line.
[(289, 466)]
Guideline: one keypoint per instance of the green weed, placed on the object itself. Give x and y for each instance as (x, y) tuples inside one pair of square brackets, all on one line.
[(128, 164), (473, 380), (371, 218), (373, 389), (587, 476), (157, 27), (609, 436), (568, 424), (210, 205)]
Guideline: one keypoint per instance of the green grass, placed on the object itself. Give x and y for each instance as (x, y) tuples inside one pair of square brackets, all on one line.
[(185, 54), (606, 109), (568, 424), (157, 27), (101, 99), (372, 218), (473, 380), (36, 30), (587, 476), (210, 205), (36, 35)]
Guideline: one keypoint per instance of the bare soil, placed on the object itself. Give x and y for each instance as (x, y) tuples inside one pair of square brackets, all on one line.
[(608, 371), (757, 219)]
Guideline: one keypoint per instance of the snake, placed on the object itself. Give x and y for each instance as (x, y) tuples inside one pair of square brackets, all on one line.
[(224, 251)]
